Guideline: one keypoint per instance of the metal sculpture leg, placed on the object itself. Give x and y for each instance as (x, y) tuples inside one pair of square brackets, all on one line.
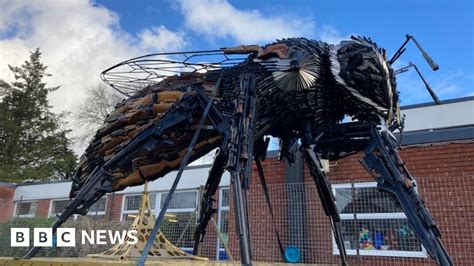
[(241, 220), (327, 198), (240, 159), (207, 203), (88, 195), (383, 162), (161, 216)]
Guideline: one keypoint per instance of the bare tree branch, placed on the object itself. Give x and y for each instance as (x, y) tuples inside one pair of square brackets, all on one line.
[(91, 112)]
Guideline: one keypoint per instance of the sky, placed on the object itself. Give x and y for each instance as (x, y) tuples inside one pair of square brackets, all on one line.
[(80, 38)]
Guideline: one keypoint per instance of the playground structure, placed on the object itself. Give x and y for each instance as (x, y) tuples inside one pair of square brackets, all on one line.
[(143, 224)]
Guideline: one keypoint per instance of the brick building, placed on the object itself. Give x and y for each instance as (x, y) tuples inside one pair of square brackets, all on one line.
[(438, 147), (7, 191)]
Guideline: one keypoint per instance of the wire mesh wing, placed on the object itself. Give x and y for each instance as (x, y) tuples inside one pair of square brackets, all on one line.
[(131, 76)]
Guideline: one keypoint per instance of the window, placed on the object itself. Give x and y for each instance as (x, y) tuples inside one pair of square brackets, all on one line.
[(132, 204), (373, 223), (57, 207), (98, 209), (178, 227), (180, 218), (225, 197), (180, 200), (26, 209), (223, 222)]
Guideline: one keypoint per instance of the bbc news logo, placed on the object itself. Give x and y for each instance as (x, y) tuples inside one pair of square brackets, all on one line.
[(66, 237)]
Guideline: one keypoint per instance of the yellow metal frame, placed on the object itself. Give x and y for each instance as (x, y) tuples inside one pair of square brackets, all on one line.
[(144, 222)]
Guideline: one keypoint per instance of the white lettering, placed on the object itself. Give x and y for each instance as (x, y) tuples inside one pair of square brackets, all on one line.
[(43, 237), (132, 234), (101, 237), (116, 236), (89, 238), (66, 237), (19, 237)]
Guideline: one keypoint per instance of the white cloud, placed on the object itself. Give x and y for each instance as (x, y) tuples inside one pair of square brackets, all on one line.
[(218, 18), (330, 34), (77, 39), (161, 39)]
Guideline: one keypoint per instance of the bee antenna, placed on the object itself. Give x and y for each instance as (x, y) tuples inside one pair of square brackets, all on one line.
[(428, 87), (402, 49)]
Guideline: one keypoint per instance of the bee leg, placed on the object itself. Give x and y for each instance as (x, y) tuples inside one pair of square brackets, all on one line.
[(383, 162), (327, 198), (207, 203), (90, 193), (184, 162), (239, 164), (215, 174), (323, 186)]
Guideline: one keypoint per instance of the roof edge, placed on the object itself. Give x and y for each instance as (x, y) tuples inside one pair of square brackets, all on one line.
[(8, 184), (455, 100)]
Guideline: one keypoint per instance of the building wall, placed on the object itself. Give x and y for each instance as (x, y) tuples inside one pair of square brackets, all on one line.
[(452, 113), (424, 162), (43, 208), (113, 210), (442, 170), (445, 177), (261, 227), (6, 201)]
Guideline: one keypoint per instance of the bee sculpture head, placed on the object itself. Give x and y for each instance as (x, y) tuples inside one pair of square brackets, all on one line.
[(363, 71)]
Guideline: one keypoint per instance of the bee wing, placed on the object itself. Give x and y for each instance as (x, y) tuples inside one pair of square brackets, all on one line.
[(133, 75)]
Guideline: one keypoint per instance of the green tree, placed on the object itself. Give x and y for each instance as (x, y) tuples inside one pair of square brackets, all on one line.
[(32, 143)]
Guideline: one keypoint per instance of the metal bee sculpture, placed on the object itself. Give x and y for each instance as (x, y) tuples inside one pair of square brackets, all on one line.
[(183, 105)]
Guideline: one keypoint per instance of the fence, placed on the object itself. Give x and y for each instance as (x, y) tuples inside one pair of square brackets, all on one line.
[(374, 227)]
